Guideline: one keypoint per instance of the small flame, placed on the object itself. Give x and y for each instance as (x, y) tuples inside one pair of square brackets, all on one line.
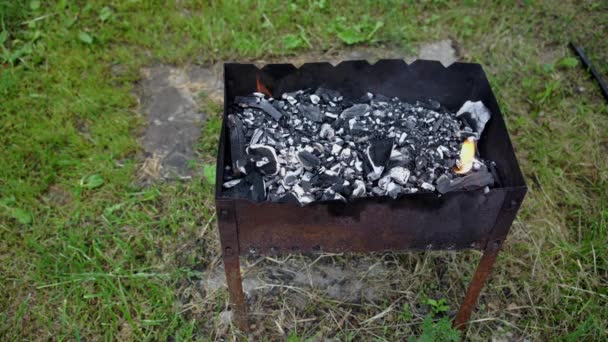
[(261, 88), (467, 156)]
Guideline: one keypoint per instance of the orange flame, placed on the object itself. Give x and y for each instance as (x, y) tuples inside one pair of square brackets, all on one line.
[(467, 156), (261, 88)]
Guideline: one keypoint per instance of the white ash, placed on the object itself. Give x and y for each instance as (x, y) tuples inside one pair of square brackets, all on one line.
[(315, 146)]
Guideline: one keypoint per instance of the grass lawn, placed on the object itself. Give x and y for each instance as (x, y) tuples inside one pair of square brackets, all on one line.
[(87, 253)]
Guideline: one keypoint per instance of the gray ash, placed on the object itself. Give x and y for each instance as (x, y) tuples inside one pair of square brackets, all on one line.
[(316, 146)]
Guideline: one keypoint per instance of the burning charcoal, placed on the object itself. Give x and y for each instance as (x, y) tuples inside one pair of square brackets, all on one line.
[(377, 156), (265, 158), (472, 181), (400, 175), (355, 111), (308, 160), (237, 144), (475, 114), (328, 148), (262, 104)]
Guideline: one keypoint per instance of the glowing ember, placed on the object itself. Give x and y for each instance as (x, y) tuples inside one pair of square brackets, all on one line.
[(261, 88), (467, 156)]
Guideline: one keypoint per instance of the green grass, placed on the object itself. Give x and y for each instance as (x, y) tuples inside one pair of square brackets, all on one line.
[(121, 261)]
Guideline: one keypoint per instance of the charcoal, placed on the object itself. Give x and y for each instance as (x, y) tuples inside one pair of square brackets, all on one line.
[(475, 114), (264, 157), (232, 183), (377, 155), (471, 181), (237, 144), (327, 132), (308, 160), (393, 190), (257, 189), (312, 112), (328, 95), (355, 111), (427, 186), (400, 175), (263, 104), (323, 147)]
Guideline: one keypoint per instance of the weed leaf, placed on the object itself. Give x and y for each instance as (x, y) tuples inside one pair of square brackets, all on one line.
[(292, 42), (85, 37), (209, 173), (568, 62), (34, 5), (92, 181), (105, 14), (22, 216)]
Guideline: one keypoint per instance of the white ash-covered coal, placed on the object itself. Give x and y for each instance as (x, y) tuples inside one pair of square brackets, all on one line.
[(312, 146)]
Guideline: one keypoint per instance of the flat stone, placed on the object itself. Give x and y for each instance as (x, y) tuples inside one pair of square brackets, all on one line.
[(168, 98), (442, 51)]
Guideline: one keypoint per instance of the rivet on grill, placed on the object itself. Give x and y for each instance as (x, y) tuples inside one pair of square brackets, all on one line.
[(224, 213), (512, 205)]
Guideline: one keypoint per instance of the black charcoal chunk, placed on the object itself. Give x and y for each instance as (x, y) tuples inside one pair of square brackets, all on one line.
[(263, 104), (476, 114), (328, 95), (237, 145), (355, 111), (264, 158), (308, 160), (257, 189), (472, 181), (312, 112), (377, 156)]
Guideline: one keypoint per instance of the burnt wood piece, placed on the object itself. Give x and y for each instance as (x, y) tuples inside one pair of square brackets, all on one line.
[(456, 220)]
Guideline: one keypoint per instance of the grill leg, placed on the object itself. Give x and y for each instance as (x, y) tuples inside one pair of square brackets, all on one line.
[(235, 288), (479, 279)]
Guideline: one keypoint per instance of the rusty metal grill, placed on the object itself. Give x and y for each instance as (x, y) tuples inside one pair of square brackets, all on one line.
[(456, 220)]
